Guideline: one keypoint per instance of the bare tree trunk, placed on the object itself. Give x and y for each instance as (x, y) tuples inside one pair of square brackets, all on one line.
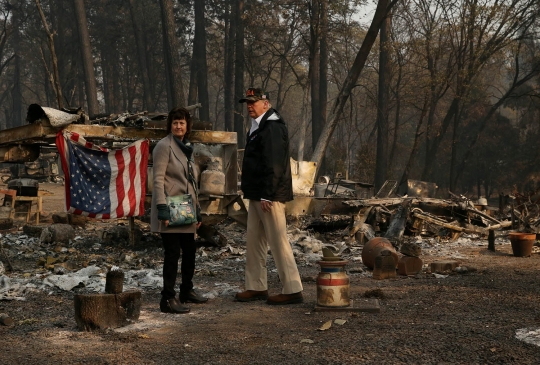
[(239, 75), (199, 48), (173, 68), (397, 117), (16, 95), (106, 72), (192, 88), (453, 159), (315, 72), (137, 21), (303, 127), (88, 61), (323, 85), (383, 7), (80, 88), (381, 166), (116, 89), (111, 82), (416, 143), (433, 147), (228, 67), (61, 20), (56, 77)]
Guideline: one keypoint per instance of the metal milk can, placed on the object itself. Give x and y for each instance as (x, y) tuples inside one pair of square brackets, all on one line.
[(333, 289), (213, 178)]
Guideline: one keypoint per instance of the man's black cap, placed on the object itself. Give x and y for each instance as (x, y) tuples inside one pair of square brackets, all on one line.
[(254, 94)]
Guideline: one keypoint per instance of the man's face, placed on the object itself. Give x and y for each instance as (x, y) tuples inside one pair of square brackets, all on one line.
[(257, 108)]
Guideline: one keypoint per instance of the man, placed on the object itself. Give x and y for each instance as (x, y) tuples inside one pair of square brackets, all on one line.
[(267, 183)]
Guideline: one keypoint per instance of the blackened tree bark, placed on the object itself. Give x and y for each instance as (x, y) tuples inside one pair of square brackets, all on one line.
[(106, 71), (173, 68), (80, 87), (109, 66), (323, 86), (315, 71), (228, 67), (323, 70), (381, 166), (137, 21), (199, 67), (16, 95), (239, 74), (397, 115), (192, 87), (87, 59)]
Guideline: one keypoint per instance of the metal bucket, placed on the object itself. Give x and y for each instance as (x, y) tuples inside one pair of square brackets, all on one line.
[(333, 284), (319, 190)]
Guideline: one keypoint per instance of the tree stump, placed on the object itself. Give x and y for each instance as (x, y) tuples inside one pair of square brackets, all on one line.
[(100, 311), (58, 232)]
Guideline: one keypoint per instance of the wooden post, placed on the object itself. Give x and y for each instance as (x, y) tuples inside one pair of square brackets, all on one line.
[(132, 231), (114, 283), (491, 240), (513, 216)]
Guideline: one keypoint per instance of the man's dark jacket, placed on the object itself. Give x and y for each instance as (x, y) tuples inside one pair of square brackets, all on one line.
[(266, 167)]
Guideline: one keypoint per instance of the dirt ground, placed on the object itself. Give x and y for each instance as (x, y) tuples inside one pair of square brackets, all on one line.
[(463, 318)]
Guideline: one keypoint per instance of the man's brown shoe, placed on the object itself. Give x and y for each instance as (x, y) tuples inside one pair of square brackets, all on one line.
[(250, 295), (285, 299)]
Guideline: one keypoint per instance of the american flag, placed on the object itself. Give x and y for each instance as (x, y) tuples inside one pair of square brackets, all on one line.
[(103, 183)]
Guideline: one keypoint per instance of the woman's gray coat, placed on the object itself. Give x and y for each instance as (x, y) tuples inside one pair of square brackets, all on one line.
[(170, 172)]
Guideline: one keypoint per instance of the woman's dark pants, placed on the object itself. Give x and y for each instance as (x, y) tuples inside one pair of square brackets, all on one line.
[(172, 244)]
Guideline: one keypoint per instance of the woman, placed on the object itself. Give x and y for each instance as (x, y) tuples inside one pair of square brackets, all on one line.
[(172, 170)]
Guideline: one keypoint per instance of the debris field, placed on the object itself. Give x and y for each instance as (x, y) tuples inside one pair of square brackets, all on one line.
[(482, 310)]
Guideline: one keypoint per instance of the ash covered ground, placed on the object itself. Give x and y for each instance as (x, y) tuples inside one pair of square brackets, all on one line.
[(488, 311)]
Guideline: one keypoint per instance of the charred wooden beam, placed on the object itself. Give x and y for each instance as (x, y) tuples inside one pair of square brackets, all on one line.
[(397, 201), (37, 133)]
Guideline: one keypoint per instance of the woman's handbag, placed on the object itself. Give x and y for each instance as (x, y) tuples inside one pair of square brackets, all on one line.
[(181, 210)]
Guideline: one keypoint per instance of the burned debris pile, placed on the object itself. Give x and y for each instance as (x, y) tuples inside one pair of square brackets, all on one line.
[(394, 217)]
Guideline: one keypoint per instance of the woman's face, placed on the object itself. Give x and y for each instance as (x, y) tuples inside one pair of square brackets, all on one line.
[(179, 128)]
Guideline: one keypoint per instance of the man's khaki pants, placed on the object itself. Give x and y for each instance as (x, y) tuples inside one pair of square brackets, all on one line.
[(269, 229)]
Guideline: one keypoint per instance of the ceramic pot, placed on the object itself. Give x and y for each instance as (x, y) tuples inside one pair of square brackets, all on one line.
[(522, 243), (374, 247)]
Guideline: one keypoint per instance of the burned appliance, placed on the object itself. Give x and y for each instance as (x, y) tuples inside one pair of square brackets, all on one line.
[(24, 187)]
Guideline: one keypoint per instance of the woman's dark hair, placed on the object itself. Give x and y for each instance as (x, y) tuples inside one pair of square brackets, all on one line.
[(179, 114)]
